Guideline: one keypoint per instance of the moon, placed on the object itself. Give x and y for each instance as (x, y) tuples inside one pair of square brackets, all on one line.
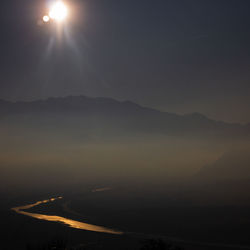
[(58, 11)]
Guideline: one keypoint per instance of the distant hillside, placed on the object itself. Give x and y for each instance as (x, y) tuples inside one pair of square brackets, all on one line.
[(226, 181), (109, 116), (234, 165)]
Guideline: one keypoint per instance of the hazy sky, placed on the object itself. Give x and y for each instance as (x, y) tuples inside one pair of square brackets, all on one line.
[(180, 55)]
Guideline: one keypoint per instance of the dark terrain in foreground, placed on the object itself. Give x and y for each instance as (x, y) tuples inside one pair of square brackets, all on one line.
[(188, 226)]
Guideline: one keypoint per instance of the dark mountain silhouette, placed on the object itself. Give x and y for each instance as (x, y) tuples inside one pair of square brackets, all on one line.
[(109, 116)]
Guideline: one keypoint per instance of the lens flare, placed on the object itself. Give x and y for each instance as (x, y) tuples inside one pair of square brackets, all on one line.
[(46, 19), (58, 11)]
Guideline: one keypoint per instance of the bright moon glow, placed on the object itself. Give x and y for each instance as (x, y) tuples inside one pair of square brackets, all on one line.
[(58, 11), (46, 19)]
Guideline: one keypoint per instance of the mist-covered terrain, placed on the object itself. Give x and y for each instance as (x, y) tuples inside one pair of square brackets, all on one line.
[(71, 140), (150, 172)]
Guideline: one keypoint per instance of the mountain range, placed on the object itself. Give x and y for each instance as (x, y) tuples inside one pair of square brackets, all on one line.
[(109, 116)]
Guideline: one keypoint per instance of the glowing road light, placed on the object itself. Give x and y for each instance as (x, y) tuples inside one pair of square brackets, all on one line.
[(46, 19), (58, 11)]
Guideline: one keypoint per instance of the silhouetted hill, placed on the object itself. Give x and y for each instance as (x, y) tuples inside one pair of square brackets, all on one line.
[(112, 116)]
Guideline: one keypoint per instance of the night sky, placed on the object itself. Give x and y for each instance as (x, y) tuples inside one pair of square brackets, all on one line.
[(178, 56)]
